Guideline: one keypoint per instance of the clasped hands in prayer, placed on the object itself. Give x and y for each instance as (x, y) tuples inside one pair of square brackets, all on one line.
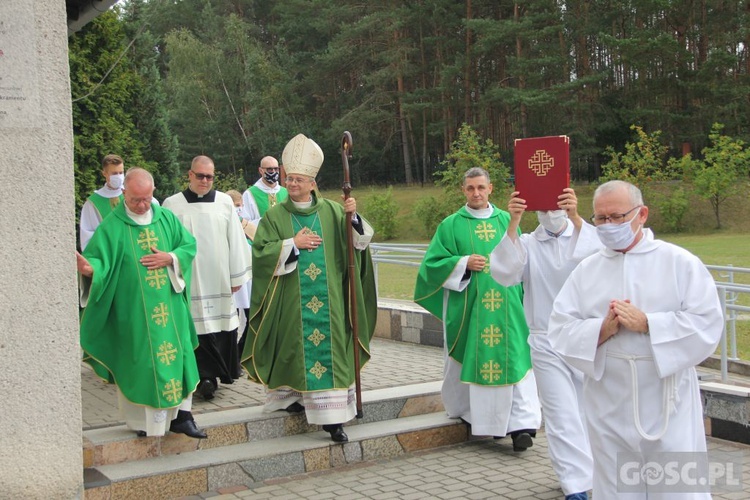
[(155, 260), (622, 313)]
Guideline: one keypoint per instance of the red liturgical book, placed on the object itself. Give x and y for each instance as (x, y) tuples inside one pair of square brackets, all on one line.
[(542, 169)]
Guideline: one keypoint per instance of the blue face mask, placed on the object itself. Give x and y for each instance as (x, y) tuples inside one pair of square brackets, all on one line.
[(617, 236), (271, 176)]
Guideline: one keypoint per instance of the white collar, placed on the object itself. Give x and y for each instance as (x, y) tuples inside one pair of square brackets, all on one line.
[(141, 220), (482, 213)]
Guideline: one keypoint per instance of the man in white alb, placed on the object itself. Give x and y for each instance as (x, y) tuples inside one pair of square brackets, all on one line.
[(636, 318), (542, 261), (222, 264)]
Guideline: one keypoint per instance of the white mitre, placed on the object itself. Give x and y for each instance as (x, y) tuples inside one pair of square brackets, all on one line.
[(302, 156)]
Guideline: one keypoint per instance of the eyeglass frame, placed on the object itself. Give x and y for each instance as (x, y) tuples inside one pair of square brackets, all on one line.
[(598, 220), (298, 180), (200, 177)]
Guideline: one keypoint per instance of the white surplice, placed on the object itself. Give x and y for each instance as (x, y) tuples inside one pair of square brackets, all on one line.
[(90, 216), (222, 261), (542, 262), (491, 411), (641, 391)]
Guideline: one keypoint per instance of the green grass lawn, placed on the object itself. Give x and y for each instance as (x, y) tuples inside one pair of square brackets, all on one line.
[(728, 246)]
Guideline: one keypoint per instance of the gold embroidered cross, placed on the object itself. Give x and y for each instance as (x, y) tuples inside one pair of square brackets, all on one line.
[(271, 199), (491, 371), (167, 353), (492, 336), (316, 337), (156, 278), (318, 370), (541, 162), (160, 314), (492, 300), (314, 305), (485, 231), (172, 391), (313, 271), (147, 239)]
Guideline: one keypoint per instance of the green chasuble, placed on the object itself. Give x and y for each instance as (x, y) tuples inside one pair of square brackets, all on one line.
[(264, 200), (103, 205), (136, 331), (485, 326), (300, 329)]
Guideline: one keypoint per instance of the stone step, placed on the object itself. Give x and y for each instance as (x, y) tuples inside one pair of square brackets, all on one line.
[(118, 444), (195, 472)]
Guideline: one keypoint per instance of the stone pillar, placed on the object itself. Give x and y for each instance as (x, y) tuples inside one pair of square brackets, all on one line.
[(40, 378)]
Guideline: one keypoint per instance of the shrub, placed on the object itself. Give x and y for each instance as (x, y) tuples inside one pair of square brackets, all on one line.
[(381, 211)]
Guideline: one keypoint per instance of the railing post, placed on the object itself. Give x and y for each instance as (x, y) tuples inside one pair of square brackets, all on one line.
[(724, 361)]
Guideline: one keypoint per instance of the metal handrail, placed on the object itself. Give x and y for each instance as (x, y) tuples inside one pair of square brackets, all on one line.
[(411, 254)]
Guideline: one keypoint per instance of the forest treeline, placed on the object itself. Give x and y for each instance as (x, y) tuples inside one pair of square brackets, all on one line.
[(161, 81)]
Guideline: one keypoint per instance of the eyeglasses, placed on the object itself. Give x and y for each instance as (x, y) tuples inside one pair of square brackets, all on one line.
[(615, 218), (200, 177), (271, 169), (141, 201), (297, 180)]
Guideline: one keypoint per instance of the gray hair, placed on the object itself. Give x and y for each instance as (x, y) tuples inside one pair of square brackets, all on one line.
[(476, 172), (636, 198), (139, 175)]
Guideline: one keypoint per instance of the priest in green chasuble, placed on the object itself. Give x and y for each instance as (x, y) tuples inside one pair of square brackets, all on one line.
[(300, 344), (488, 380), (136, 328)]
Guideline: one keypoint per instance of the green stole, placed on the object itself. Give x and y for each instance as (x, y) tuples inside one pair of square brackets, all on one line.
[(315, 307), (264, 200), (485, 325), (104, 205), (136, 331)]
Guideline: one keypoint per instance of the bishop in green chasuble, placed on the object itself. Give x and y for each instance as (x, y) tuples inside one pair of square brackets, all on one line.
[(300, 331), (484, 323), (136, 331)]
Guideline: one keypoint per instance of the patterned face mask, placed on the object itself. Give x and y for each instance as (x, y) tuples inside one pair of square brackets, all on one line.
[(271, 176)]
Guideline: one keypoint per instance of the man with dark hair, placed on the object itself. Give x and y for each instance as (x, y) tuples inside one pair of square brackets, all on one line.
[(488, 380)]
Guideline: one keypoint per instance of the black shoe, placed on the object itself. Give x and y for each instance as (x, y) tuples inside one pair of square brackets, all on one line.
[(140, 434), (206, 389), (337, 433), (295, 408), (187, 427), (522, 441)]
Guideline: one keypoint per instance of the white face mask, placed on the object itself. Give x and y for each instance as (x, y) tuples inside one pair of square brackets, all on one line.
[(116, 180), (553, 221), (618, 236), (238, 210)]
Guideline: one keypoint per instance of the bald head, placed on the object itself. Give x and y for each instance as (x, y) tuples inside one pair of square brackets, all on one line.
[(138, 176), (269, 170), (201, 160), (138, 190)]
